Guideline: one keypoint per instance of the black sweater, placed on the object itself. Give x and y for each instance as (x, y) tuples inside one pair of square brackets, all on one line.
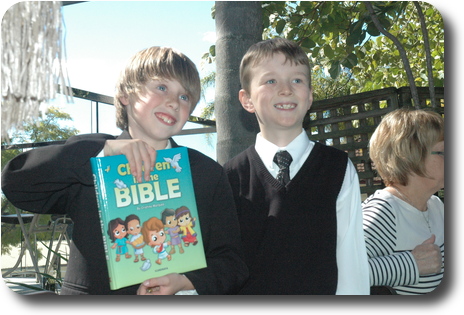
[(58, 179), (289, 234)]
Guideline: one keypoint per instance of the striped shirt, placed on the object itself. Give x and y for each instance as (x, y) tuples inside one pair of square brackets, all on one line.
[(392, 229)]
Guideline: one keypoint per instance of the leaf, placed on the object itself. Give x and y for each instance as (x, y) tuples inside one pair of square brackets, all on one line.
[(280, 26), (308, 43), (350, 61), (334, 70), (372, 29), (354, 36), (385, 23), (212, 50), (328, 51)]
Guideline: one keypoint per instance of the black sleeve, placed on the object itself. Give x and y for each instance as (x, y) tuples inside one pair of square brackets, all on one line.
[(226, 271), (45, 180)]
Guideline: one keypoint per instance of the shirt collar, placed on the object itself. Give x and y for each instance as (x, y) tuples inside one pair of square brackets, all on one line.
[(126, 135), (266, 149)]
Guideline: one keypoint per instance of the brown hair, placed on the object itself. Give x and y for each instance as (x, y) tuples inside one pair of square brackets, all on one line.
[(402, 142), (265, 49), (155, 63), (152, 224), (114, 224)]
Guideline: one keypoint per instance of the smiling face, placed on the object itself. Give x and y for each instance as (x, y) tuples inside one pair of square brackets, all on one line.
[(280, 96), (159, 112), (184, 220), (156, 238), (120, 232), (171, 221), (134, 227)]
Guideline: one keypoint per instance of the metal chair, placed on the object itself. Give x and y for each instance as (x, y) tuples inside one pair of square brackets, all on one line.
[(57, 225)]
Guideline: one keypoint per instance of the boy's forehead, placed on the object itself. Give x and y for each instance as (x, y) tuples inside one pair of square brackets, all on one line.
[(153, 82), (269, 57), (264, 63), (275, 57)]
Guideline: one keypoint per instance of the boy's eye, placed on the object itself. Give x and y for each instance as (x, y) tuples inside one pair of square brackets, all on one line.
[(161, 88), (184, 98), (272, 81), (298, 81)]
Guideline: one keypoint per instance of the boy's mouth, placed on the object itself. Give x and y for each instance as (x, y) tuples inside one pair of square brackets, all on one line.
[(165, 118), (285, 105)]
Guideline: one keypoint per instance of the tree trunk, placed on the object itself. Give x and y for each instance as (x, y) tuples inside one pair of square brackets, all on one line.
[(238, 26), (428, 56)]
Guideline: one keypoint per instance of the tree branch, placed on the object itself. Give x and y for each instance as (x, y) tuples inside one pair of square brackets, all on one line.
[(428, 56), (401, 50)]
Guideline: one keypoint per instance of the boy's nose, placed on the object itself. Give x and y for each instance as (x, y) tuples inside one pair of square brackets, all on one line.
[(285, 89), (173, 102)]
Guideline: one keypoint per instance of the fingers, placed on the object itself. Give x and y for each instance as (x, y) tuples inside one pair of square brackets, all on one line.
[(154, 286), (140, 155), (141, 158), (165, 285), (148, 287), (430, 240), (145, 290), (428, 258)]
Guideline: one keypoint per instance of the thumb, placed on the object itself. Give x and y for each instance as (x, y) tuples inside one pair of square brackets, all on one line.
[(430, 240)]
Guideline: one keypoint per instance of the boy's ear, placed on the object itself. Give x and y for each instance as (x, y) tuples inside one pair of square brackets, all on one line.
[(245, 99), (124, 100), (310, 98)]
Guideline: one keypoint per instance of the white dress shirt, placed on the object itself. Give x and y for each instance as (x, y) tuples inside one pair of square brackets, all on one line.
[(352, 262)]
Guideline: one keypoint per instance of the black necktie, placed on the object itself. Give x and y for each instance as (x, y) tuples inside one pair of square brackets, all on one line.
[(283, 160)]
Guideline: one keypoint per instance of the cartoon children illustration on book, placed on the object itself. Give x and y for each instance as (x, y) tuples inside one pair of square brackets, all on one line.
[(134, 228), (168, 217), (118, 235), (186, 224), (154, 236)]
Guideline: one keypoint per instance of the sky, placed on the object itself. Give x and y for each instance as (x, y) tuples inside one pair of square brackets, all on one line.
[(102, 35)]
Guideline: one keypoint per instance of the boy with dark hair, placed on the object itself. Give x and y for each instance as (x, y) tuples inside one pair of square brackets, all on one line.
[(155, 96), (298, 201)]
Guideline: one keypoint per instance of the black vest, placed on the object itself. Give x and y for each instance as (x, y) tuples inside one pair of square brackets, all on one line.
[(289, 233)]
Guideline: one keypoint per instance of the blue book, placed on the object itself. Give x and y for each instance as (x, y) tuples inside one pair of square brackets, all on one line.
[(152, 228)]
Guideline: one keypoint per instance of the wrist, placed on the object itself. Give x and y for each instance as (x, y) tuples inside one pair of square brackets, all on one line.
[(186, 283)]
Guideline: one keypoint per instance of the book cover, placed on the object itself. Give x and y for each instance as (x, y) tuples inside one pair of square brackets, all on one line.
[(150, 229)]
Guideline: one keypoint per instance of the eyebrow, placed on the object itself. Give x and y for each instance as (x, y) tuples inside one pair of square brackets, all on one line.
[(272, 73)]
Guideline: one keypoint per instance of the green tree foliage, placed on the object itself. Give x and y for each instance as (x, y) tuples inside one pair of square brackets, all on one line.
[(45, 128), (348, 52), (342, 40)]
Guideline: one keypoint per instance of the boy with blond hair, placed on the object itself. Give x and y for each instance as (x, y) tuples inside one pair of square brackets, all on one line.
[(298, 201), (157, 92)]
